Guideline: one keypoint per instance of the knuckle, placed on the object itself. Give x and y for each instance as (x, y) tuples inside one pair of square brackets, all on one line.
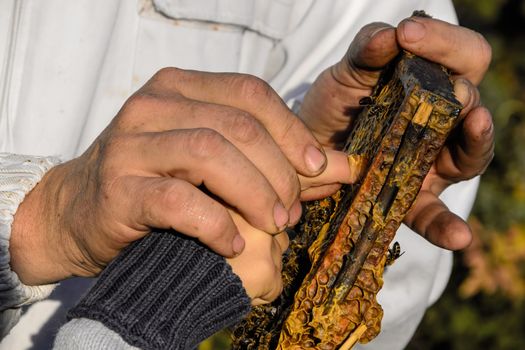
[(289, 188), (205, 144), (245, 128), (213, 223), (111, 153), (218, 227), (485, 51), (166, 73), (171, 196), (253, 89), (290, 126), (140, 100), (174, 196), (136, 108), (202, 219)]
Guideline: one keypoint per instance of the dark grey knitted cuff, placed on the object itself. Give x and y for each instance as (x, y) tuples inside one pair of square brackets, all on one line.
[(165, 292)]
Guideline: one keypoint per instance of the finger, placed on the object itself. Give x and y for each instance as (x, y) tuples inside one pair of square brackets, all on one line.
[(259, 266), (256, 97), (462, 50), (248, 135), (237, 126), (431, 218), (373, 47), (470, 152), (340, 169), (274, 288), (176, 204), (467, 94), (332, 102), (204, 157), (319, 192)]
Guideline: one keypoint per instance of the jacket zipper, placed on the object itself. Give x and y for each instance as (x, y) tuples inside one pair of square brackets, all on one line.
[(6, 139)]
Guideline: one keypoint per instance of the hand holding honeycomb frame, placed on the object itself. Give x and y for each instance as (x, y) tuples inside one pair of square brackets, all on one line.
[(333, 269)]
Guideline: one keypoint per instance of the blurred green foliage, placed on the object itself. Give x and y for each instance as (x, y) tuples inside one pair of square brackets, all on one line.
[(501, 200), (484, 304)]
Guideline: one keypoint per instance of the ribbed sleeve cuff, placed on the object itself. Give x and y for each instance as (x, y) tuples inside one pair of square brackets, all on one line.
[(165, 292), (18, 175)]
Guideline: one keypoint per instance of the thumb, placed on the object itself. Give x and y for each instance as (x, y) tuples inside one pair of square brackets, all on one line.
[(373, 47)]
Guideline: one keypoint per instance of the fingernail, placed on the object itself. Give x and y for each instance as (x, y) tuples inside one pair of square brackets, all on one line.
[(413, 31), (488, 130), (314, 158), (378, 30), (295, 213), (280, 216), (462, 91), (238, 244)]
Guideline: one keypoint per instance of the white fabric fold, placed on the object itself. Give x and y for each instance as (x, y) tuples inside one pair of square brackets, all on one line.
[(18, 176)]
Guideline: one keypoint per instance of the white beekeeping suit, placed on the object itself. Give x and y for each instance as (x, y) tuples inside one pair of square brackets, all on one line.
[(68, 66)]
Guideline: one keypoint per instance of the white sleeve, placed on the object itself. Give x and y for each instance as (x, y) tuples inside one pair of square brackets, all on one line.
[(18, 175)]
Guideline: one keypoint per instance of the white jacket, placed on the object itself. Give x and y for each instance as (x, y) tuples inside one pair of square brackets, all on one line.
[(67, 66)]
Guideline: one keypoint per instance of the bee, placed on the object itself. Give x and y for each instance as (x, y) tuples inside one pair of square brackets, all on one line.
[(393, 254), (366, 101)]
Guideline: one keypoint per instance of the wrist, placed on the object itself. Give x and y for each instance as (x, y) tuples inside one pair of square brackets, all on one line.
[(36, 251), (19, 175), (44, 248)]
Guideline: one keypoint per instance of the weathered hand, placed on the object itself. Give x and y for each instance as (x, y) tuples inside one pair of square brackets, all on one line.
[(183, 150), (333, 102)]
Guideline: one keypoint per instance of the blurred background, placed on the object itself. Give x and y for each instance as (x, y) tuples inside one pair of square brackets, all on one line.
[(484, 304)]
